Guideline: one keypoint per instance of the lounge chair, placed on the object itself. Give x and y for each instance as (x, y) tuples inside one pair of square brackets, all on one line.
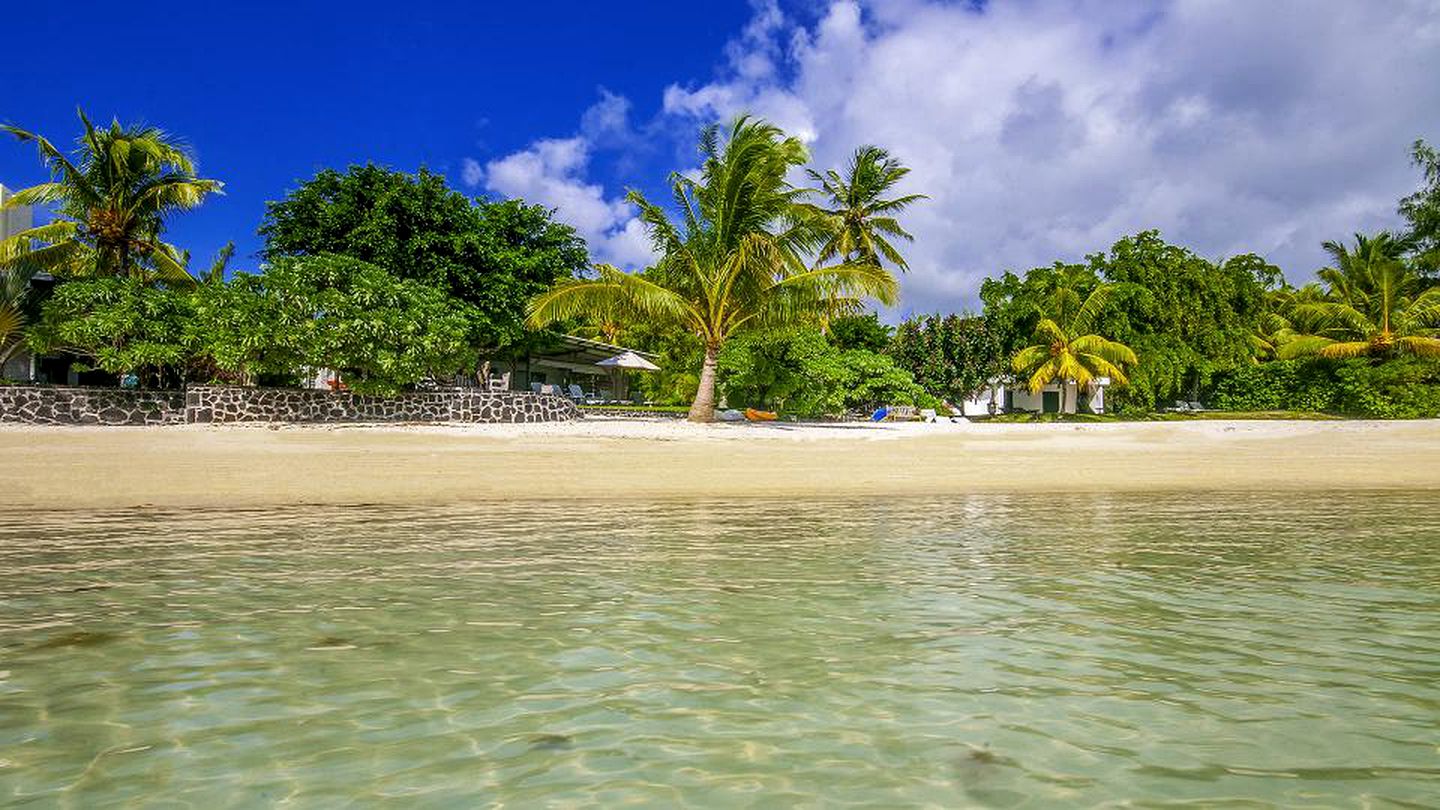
[(1195, 407), (577, 394), (902, 413)]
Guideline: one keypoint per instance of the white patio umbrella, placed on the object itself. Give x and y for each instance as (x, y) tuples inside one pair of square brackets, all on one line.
[(625, 360)]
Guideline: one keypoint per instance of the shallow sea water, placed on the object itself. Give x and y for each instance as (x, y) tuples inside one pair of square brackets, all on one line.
[(990, 651)]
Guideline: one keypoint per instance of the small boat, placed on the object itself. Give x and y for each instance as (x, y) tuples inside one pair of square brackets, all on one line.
[(760, 416)]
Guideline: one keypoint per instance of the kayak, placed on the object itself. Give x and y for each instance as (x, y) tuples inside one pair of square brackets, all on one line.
[(760, 416)]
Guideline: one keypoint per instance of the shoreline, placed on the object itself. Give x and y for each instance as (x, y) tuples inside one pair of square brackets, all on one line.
[(64, 468)]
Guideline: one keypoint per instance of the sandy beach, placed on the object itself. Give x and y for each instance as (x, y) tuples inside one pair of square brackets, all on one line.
[(70, 467)]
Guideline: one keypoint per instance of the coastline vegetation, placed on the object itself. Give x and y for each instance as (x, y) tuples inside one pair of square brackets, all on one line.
[(761, 294)]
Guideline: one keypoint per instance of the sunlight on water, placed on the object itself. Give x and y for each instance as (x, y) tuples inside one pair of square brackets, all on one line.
[(986, 651)]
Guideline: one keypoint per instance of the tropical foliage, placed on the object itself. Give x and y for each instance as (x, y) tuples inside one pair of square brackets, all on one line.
[(1374, 306), (1064, 349), (382, 334), (860, 218), (952, 356), (490, 256), (801, 372), (119, 325), (111, 197), (735, 260)]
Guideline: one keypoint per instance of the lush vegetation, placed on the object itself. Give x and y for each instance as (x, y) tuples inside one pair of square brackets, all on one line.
[(758, 296), (738, 258)]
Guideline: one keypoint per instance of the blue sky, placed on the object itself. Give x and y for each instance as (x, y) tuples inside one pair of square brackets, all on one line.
[(268, 95), (1042, 130)]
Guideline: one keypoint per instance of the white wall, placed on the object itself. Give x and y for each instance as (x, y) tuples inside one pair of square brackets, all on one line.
[(1023, 400), (14, 220)]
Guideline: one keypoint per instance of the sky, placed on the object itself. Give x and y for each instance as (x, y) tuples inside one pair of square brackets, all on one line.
[(1040, 130)]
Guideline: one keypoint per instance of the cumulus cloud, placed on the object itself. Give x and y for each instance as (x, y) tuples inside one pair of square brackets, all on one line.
[(552, 172), (1047, 129)]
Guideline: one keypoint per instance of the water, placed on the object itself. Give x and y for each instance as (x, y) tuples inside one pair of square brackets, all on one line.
[(988, 651)]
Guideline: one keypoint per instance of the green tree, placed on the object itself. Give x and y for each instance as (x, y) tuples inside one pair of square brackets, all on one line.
[(14, 306), (1376, 306), (382, 334), (860, 332), (112, 199), (951, 356), (733, 262), (1422, 209), (119, 325), (491, 255), (861, 219), (1067, 351), (798, 371)]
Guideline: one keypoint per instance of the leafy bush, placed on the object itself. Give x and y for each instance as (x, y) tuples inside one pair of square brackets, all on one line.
[(380, 332), (1405, 388), (802, 373), (121, 325)]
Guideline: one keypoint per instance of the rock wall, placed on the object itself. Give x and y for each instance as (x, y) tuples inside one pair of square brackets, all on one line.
[(60, 405), (207, 403)]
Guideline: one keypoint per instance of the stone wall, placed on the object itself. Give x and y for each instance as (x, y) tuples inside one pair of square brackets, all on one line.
[(62, 405), (207, 403)]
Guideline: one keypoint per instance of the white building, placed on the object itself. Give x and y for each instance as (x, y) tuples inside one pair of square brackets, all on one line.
[(19, 365), (14, 220), (1008, 396)]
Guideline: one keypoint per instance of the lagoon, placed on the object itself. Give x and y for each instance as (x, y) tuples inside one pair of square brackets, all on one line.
[(984, 650)]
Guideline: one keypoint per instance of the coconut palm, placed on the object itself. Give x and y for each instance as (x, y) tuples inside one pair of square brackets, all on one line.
[(14, 295), (1375, 306), (733, 261), (111, 202), (862, 220), (1066, 351)]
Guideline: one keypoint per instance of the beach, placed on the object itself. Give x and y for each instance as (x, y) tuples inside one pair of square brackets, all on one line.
[(255, 465)]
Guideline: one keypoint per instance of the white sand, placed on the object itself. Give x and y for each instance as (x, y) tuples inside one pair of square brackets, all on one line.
[(76, 467)]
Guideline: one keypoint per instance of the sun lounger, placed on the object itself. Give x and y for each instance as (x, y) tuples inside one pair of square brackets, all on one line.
[(903, 413), (1195, 406)]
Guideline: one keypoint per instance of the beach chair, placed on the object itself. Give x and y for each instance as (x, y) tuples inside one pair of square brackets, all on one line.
[(1195, 407), (903, 413), (577, 394)]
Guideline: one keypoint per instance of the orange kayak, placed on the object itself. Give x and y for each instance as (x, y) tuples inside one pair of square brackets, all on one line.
[(760, 416)]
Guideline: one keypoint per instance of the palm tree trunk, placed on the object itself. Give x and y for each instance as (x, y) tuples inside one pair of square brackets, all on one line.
[(703, 408)]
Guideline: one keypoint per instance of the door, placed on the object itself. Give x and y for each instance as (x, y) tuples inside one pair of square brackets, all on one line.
[(1050, 401)]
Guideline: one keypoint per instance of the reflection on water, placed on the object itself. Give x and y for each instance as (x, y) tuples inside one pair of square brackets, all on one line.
[(983, 651)]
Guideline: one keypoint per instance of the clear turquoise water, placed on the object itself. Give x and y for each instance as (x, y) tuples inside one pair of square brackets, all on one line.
[(1214, 650)]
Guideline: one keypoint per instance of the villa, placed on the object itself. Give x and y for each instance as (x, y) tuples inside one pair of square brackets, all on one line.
[(1008, 396)]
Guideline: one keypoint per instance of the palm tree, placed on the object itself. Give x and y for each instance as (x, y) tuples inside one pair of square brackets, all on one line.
[(733, 261), (111, 201), (862, 220), (14, 294), (1375, 306), (1069, 352)]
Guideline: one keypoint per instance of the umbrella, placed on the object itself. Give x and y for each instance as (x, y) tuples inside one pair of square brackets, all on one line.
[(625, 360), (628, 360)]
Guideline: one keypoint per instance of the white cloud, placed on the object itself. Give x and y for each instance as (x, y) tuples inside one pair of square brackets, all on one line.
[(551, 172), (471, 172), (1046, 129)]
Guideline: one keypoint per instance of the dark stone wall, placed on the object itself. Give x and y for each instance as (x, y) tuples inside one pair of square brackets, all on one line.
[(206, 403), (60, 405)]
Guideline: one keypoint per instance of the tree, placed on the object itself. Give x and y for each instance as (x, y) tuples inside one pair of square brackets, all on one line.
[(1422, 209), (120, 325), (1375, 306), (14, 303), (1070, 352), (733, 262), (382, 334), (111, 201), (491, 255), (862, 220), (860, 332), (799, 371), (952, 356)]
